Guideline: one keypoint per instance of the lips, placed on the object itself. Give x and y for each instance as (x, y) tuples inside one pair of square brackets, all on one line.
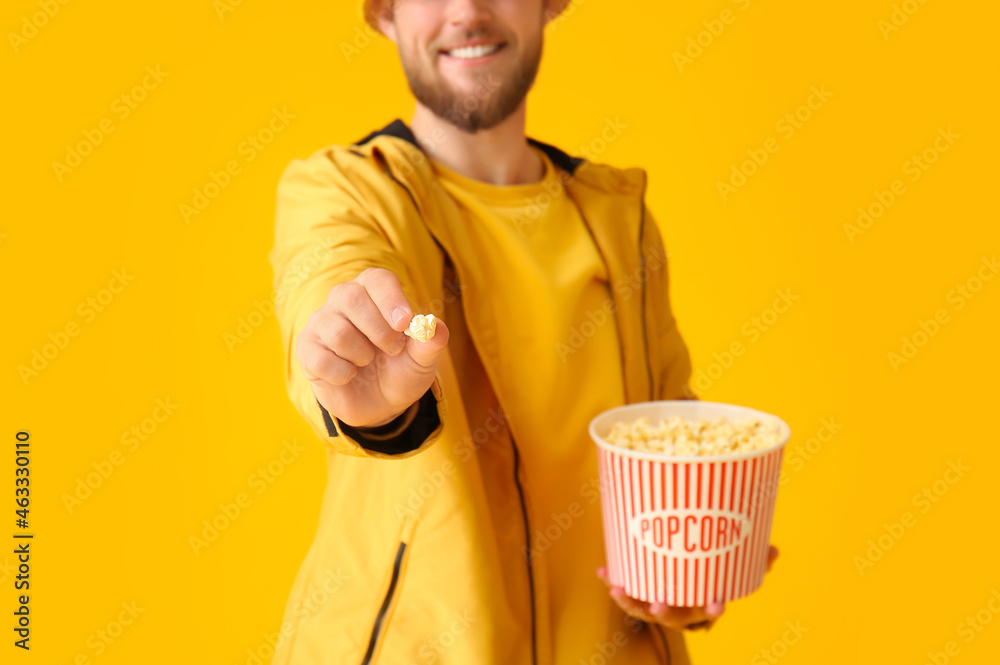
[(473, 51)]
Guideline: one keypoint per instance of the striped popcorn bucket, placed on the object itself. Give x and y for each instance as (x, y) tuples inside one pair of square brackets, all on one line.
[(686, 531)]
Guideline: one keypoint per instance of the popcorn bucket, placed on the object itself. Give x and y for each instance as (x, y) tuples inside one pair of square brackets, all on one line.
[(686, 531)]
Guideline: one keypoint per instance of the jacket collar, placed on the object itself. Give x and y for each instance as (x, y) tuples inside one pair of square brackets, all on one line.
[(399, 129)]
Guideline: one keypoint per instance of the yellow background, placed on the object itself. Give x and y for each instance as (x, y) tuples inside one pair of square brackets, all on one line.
[(164, 335)]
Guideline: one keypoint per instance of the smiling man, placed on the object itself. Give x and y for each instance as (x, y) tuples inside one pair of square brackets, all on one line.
[(462, 510)]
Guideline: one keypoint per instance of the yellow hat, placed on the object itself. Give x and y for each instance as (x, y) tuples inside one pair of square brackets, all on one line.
[(370, 15)]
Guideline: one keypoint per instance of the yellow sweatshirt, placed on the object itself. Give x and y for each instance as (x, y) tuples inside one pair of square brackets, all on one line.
[(473, 536)]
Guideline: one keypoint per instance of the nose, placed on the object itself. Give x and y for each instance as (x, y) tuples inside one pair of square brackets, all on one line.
[(469, 13)]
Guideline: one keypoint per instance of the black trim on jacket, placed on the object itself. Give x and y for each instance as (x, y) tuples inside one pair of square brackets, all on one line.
[(400, 130), (424, 422)]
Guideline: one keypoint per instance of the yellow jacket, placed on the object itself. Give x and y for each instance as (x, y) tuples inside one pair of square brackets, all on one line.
[(422, 553)]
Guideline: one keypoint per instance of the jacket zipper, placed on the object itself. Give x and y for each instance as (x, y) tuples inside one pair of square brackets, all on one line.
[(413, 199), (642, 265), (380, 617), (517, 480), (666, 645), (528, 554), (649, 370)]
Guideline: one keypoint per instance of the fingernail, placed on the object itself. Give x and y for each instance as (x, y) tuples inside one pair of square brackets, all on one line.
[(397, 316)]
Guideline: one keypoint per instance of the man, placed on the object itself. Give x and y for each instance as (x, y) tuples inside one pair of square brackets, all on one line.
[(461, 519)]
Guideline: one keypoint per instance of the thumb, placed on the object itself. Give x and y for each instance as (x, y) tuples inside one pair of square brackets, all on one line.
[(426, 353)]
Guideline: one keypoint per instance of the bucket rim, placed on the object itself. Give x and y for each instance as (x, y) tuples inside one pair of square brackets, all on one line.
[(785, 434)]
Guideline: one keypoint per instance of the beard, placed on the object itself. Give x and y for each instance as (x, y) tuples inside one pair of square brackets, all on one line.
[(492, 102)]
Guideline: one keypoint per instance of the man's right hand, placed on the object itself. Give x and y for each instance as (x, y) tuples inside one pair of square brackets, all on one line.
[(362, 367)]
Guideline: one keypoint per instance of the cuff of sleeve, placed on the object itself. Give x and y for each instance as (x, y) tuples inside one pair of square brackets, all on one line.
[(398, 438), (392, 428)]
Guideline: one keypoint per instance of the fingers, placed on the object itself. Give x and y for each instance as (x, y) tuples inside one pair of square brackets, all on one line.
[(677, 618), (354, 303), (690, 618), (630, 605), (320, 364), (386, 292), (331, 348), (602, 572), (772, 554), (342, 337)]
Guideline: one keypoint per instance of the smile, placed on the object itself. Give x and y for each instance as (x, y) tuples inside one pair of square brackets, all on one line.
[(478, 52)]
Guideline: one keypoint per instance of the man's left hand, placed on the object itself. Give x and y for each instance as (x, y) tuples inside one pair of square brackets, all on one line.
[(676, 618)]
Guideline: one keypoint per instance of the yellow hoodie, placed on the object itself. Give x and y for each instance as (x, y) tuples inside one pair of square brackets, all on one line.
[(473, 536)]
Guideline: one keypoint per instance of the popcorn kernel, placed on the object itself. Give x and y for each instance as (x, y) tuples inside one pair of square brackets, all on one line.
[(422, 327)]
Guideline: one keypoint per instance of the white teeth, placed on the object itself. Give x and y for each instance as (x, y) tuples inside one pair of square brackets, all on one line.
[(473, 51)]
